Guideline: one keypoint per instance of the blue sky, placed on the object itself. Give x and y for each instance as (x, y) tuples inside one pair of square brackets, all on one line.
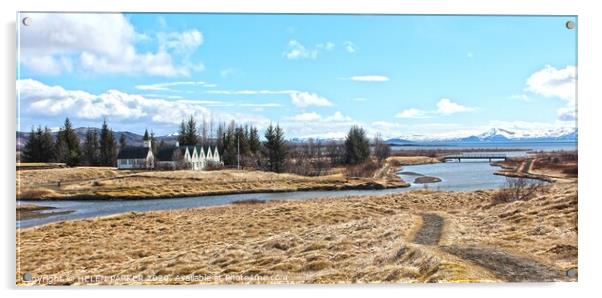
[(315, 75)]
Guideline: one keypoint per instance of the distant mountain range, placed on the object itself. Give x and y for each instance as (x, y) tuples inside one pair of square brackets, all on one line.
[(132, 139), (492, 136)]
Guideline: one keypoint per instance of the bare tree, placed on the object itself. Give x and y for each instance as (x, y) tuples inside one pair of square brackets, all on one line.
[(381, 150), (517, 189)]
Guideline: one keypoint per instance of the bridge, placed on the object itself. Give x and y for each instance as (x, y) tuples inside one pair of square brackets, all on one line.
[(487, 156)]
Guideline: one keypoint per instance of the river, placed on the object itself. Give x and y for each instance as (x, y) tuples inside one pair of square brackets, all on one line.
[(455, 176)]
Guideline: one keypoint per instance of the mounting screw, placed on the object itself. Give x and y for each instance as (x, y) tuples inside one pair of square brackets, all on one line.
[(26, 21), (570, 25), (572, 273), (27, 276)]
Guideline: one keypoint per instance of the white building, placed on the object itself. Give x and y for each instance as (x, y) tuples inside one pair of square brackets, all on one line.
[(195, 157), (136, 157)]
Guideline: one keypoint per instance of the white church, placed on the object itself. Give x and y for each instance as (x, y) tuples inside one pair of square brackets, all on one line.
[(196, 157)]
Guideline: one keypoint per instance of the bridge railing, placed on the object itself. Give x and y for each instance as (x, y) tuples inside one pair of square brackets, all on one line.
[(476, 156)]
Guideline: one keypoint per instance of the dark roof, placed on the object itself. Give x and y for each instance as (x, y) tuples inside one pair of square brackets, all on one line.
[(166, 154), (133, 153)]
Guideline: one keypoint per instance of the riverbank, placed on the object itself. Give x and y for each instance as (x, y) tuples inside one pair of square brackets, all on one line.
[(549, 167), (30, 211), (367, 239), (112, 184)]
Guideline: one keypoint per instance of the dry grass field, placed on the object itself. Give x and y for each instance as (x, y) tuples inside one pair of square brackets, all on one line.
[(351, 240), (110, 183)]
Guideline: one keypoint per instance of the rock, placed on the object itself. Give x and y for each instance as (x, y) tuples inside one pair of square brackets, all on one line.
[(427, 179)]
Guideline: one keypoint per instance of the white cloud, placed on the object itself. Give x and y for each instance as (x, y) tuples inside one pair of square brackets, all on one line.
[(167, 86), (228, 72), (556, 83), (522, 97), (310, 116), (359, 99), (296, 50), (568, 113), (338, 117), (100, 43), (349, 47), (312, 124), (313, 116), (412, 113), (329, 46), (447, 107), (43, 100), (368, 78), (306, 99), (444, 107), (181, 42), (261, 105), (251, 92), (552, 82)]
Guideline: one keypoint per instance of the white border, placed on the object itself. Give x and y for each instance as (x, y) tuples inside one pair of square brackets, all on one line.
[(589, 26)]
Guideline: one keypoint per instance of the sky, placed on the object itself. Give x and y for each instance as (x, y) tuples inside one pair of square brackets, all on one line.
[(314, 75)]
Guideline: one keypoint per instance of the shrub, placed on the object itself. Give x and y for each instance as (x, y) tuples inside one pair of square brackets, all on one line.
[(214, 166), (364, 169), (571, 171), (517, 189)]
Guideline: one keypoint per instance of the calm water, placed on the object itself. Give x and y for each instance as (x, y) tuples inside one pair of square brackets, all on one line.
[(89, 209), (464, 176), (457, 176)]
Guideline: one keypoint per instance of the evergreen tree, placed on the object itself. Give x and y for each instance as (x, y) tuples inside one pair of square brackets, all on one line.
[(67, 146), (123, 141), (108, 146), (91, 148), (230, 145), (31, 151), (254, 143), (46, 145), (275, 147), (188, 132), (161, 145), (182, 133), (220, 137), (357, 146)]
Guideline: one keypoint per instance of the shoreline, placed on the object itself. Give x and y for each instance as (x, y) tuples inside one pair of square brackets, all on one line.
[(368, 186), (523, 169), (309, 241)]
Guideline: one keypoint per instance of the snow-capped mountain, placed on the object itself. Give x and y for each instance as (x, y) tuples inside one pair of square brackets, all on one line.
[(495, 135)]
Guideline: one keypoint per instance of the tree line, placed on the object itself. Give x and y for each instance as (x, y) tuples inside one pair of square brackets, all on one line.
[(98, 148), (239, 146)]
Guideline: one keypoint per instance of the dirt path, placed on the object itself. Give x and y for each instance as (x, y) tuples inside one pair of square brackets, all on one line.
[(506, 266), (503, 264), (526, 166), (430, 231)]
